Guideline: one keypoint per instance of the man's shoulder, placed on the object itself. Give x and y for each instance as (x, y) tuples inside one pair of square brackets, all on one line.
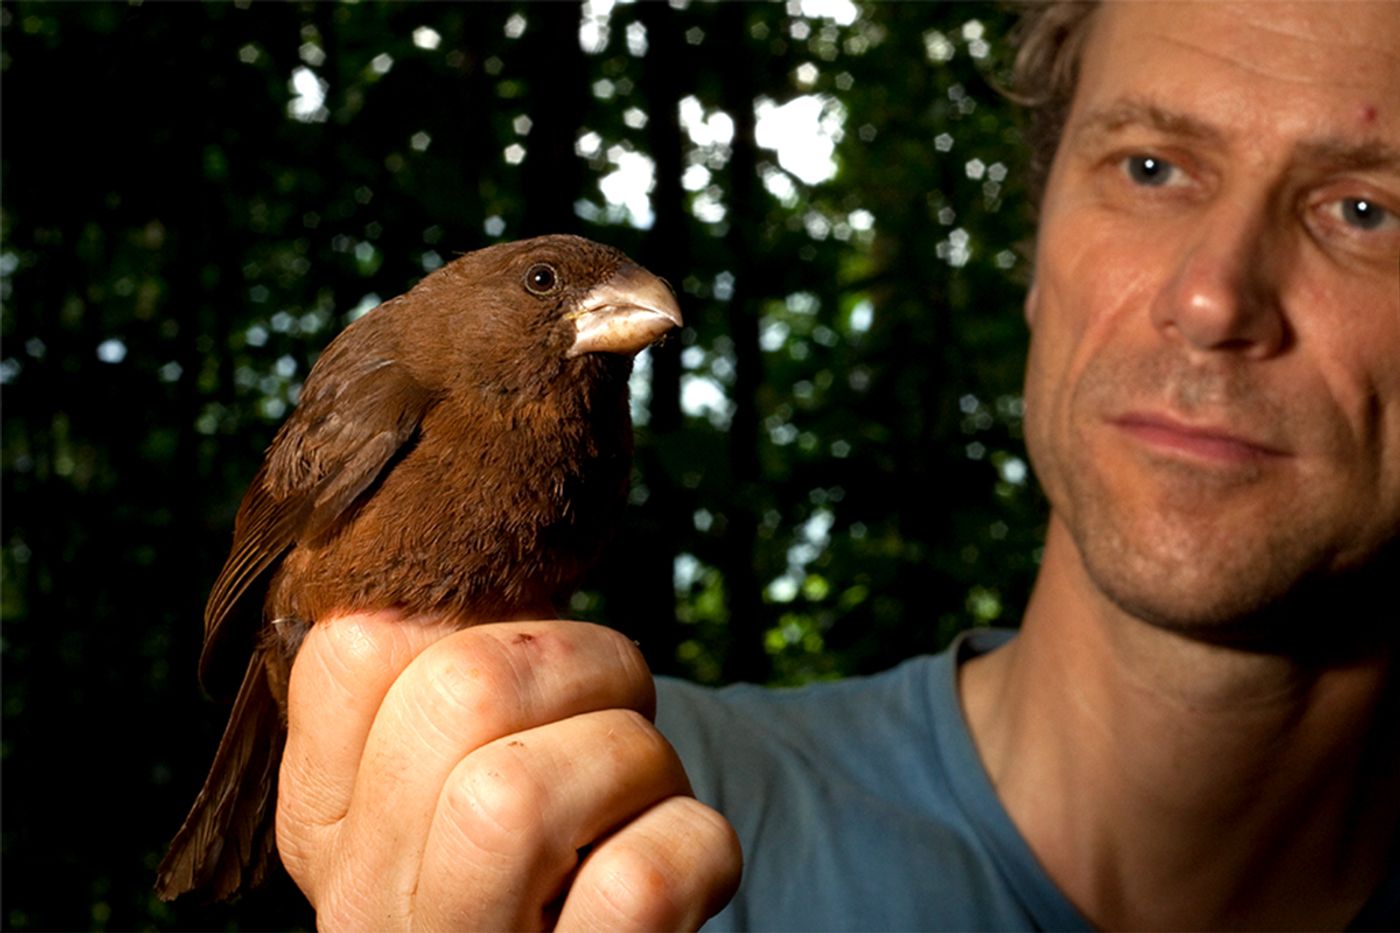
[(899, 712), (860, 803), (815, 724)]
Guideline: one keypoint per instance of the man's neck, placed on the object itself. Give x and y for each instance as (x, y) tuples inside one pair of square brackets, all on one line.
[(1166, 782)]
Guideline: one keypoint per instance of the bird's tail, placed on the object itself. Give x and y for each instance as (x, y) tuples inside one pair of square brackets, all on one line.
[(228, 840)]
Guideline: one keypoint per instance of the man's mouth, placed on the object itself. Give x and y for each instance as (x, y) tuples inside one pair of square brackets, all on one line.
[(1219, 444)]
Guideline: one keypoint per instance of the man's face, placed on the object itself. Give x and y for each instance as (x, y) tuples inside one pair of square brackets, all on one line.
[(1213, 395)]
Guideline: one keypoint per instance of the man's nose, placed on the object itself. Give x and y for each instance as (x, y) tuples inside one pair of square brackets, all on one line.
[(1223, 293)]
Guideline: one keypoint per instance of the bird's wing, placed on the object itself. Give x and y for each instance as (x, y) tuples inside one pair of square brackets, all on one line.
[(359, 408)]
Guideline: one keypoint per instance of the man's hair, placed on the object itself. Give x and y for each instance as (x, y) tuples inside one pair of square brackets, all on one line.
[(1050, 42)]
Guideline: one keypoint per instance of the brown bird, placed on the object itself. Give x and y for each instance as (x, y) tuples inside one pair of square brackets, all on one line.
[(460, 451)]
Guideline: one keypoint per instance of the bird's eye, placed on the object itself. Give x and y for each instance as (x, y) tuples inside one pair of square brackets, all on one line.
[(541, 279)]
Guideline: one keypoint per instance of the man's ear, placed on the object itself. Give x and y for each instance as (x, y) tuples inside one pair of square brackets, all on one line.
[(1032, 296)]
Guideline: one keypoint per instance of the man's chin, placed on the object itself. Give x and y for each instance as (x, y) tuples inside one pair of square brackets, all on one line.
[(1314, 616), (1237, 620)]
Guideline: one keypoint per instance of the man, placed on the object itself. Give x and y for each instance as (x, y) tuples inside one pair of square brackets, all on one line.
[(1197, 725)]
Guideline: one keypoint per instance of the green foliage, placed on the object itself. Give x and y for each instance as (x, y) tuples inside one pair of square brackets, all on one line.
[(830, 471)]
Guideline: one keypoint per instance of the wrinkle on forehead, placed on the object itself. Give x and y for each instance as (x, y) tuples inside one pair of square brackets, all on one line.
[(1231, 58), (1264, 17), (1313, 72), (1339, 43)]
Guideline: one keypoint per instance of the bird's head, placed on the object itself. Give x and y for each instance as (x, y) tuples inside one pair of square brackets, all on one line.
[(517, 317)]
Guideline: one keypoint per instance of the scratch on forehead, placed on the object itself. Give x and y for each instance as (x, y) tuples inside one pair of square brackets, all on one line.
[(1368, 114)]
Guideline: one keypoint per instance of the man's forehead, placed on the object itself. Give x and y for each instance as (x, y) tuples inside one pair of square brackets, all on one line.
[(1214, 67)]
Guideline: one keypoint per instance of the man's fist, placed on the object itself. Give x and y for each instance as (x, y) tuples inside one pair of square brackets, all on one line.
[(503, 776)]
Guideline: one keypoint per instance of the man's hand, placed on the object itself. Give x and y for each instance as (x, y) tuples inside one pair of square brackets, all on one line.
[(500, 777)]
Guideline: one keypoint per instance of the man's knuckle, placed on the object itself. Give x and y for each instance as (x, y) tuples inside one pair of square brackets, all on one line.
[(635, 739), (713, 833), (351, 648), (639, 888), (630, 659), (458, 683), (497, 801)]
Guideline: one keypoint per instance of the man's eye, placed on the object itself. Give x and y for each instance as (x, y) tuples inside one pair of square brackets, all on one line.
[(1150, 171), (1363, 214)]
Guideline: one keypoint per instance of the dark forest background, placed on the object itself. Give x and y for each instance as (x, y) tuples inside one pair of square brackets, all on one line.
[(830, 474)]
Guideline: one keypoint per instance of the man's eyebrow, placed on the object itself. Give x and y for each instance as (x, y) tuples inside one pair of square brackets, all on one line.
[(1331, 153), (1126, 113), (1341, 155)]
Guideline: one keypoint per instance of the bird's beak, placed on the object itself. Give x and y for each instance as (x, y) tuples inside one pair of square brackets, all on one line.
[(624, 314)]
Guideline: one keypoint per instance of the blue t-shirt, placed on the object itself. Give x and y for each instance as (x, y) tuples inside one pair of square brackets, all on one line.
[(863, 805)]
